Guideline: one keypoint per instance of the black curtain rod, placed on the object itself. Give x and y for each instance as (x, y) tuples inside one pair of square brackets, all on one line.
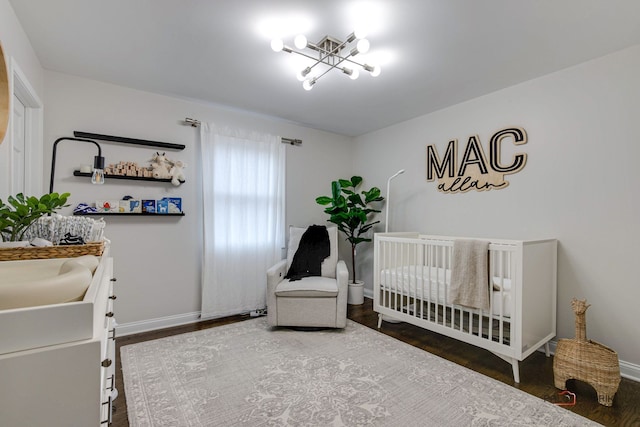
[(291, 141)]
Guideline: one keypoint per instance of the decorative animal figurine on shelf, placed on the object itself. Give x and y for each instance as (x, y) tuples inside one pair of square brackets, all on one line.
[(585, 360), (177, 175), (160, 166)]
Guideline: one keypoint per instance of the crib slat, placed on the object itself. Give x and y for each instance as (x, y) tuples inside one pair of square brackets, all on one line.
[(429, 258), (501, 261), (386, 271), (492, 265), (395, 262)]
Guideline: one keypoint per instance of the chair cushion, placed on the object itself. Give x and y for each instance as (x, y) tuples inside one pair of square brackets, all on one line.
[(313, 286), (328, 268)]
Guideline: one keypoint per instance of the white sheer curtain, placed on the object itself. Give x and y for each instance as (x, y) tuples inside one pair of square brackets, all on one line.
[(243, 201)]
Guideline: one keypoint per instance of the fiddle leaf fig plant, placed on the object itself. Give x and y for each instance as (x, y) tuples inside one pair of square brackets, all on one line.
[(21, 211), (350, 210)]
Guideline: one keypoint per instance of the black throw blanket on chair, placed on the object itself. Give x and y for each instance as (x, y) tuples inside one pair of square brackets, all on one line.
[(313, 249)]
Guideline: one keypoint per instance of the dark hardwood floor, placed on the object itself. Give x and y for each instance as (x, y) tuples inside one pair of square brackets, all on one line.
[(536, 372)]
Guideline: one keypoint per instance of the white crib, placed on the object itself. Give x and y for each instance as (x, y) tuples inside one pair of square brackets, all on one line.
[(412, 276)]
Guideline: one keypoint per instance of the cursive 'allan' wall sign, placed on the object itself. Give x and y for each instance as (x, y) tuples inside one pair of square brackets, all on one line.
[(475, 171)]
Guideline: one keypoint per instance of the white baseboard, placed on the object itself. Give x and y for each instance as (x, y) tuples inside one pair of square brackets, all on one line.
[(630, 371), (627, 369), (158, 323)]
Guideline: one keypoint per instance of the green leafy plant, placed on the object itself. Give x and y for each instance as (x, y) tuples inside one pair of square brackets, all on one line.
[(21, 211), (350, 211)]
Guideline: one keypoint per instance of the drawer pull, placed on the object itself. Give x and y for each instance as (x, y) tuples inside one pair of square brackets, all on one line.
[(113, 334), (113, 279), (113, 382), (106, 363), (112, 297), (108, 420), (109, 314)]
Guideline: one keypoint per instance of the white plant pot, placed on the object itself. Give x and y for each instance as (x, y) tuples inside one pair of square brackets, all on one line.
[(356, 293)]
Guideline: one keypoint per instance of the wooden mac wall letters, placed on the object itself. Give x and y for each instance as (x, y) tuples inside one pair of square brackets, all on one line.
[(474, 171)]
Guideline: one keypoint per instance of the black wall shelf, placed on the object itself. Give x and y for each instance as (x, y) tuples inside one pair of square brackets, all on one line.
[(132, 178), (127, 214), (124, 140)]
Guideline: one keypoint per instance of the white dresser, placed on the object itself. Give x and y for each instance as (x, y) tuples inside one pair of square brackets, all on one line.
[(57, 362)]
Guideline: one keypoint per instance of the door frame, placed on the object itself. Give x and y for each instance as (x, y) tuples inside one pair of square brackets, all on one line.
[(33, 135)]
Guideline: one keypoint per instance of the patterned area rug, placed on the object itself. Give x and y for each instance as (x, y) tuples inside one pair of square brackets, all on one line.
[(248, 374)]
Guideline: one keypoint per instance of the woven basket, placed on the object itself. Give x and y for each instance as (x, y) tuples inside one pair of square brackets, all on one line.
[(586, 360), (61, 251)]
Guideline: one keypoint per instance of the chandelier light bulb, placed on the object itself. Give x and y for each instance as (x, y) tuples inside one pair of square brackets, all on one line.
[(354, 74), (300, 41), (376, 71), (363, 46), (308, 84), (277, 45)]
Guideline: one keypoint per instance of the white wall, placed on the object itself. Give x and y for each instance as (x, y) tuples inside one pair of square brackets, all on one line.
[(580, 184), (17, 51), (158, 260)]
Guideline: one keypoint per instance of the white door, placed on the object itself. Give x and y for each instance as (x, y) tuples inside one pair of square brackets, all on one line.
[(18, 149), (26, 149)]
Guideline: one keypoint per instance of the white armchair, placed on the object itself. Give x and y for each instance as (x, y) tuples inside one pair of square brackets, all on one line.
[(314, 301)]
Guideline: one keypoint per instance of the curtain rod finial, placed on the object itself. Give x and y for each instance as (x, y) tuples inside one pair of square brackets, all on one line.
[(192, 122)]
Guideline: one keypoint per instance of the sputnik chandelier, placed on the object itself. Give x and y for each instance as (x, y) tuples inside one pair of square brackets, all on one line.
[(330, 54)]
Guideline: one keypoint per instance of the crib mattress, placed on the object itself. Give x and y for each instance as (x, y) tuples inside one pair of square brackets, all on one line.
[(433, 284)]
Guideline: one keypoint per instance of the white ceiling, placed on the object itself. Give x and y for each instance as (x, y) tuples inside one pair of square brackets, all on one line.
[(433, 53)]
